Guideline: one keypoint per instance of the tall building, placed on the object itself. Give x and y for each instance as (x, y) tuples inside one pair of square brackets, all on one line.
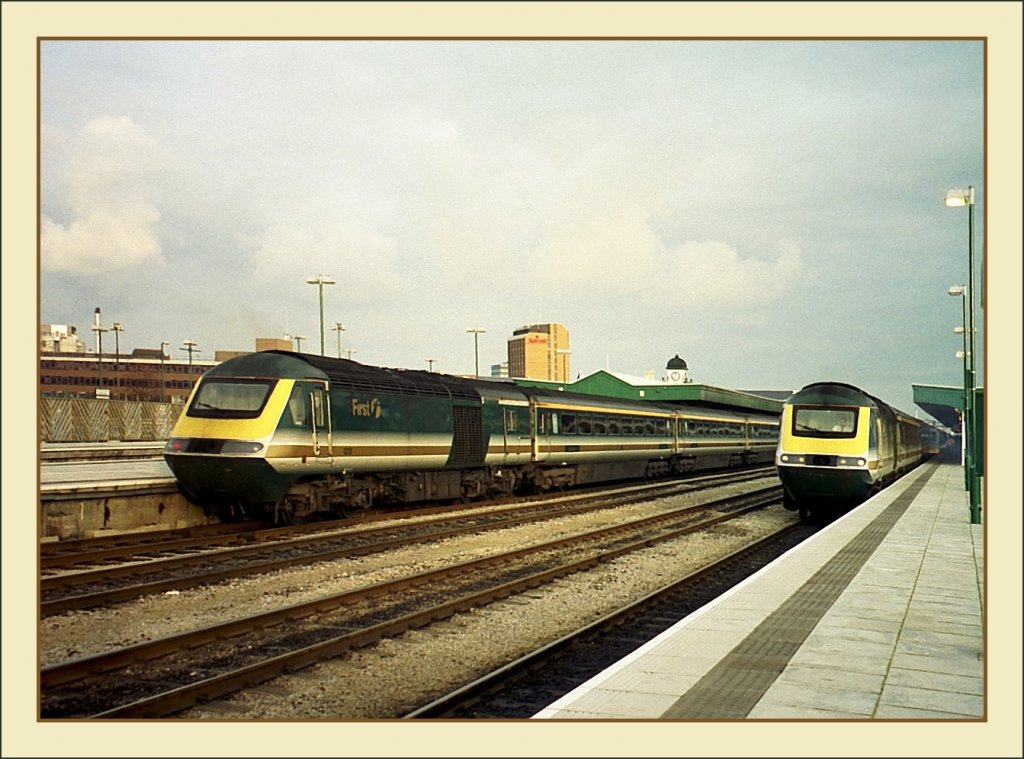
[(539, 351)]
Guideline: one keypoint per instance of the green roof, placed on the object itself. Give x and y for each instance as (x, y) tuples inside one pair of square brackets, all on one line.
[(610, 384)]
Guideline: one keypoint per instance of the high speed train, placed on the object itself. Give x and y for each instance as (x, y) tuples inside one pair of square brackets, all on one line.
[(838, 445), (288, 436)]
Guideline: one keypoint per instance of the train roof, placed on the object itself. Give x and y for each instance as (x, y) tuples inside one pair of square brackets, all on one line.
[(832, 392), (347, 374)]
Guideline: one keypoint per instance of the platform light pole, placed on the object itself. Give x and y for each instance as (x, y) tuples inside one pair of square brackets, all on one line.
[(430, 363), (190, 346), (350, 351), (476, 345), (961, 292), (320, 280), (298, 342), (163, 344), (955, 199), (118, 328), (339, 327)]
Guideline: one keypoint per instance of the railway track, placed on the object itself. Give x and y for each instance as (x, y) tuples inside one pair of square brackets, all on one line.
[(261, 551), (165, 676), (522, 688)]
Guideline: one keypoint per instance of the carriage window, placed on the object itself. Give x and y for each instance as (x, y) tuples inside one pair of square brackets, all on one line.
[(511, 420), (613, 427), (600, 425), (547, 423), (569, 424)]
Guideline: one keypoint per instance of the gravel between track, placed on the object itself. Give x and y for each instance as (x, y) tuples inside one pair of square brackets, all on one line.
[(394, 676)]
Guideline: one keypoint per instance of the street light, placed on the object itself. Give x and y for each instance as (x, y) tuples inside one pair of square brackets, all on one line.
[(298, 342), (190, 346), (118, 329), (320, 280), (961, 292), (430, 363), (476, 343), (163, 344), (339, 328), (350, 351), (955, 199)]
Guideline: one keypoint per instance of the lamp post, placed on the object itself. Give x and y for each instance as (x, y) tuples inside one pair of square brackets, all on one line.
[(961, 292), (339, 328), (476, 344), (163, 344), (118, 329), (190, 346), (954, 199), (320, 280), (350, 351), (298, 342), (430, 363)]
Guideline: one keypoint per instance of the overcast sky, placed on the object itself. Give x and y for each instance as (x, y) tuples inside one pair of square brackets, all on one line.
[(771, 211)]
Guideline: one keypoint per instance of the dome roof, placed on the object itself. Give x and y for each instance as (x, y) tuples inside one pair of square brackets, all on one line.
[(675, 363)]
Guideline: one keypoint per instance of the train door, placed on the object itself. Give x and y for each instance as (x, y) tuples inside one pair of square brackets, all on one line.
[(310, 409), (539, 435)]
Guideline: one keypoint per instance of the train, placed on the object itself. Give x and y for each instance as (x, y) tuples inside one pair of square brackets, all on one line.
[(839, 445), (289, 437)]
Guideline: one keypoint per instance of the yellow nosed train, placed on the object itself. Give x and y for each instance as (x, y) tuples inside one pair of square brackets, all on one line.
[(838, 446), (290, 435)]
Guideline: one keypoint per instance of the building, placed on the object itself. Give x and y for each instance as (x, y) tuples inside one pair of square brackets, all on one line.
[(540, 352), (675, 387), (67, 369), (147, 374), (262, 344), (60, 338)]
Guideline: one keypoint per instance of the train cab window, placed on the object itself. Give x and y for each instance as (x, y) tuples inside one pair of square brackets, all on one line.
[(230, 399), (820, 421), (296, 411)]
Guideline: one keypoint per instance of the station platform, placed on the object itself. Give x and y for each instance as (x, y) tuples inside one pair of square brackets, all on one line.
[(879, 616)]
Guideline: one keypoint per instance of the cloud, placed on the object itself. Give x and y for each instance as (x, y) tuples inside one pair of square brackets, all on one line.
[(713, 274), (111, 222), (359, 258)]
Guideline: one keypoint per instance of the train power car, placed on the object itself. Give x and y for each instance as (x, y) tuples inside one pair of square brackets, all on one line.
[(838, 446), (290, 436)]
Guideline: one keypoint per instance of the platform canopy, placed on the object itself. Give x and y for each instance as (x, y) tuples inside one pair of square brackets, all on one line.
[(944, 402)]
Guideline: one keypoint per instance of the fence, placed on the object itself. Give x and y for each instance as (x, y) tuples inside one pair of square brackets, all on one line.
[(88, 420)]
